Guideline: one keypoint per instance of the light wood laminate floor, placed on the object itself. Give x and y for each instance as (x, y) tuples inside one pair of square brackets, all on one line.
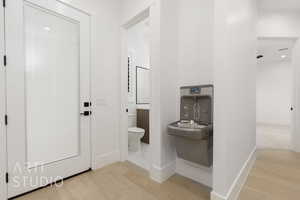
[(121, 181), (275, 176)]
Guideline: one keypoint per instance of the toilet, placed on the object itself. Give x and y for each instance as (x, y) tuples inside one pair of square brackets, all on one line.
[(134, 138)]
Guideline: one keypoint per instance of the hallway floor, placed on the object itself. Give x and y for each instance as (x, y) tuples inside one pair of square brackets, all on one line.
[(275, 176), (122, 181)]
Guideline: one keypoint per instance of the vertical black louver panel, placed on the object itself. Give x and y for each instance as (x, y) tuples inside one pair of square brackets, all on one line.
[(128, 83)]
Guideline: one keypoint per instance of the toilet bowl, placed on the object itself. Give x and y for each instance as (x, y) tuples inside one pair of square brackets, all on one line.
[(134, 138)]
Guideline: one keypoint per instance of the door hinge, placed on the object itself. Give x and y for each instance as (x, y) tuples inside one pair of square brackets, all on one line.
[(6, 120), (6, 177), (4, 3), (4, 60)]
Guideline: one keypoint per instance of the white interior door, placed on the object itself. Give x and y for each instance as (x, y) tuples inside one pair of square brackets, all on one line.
[(48, 56), (2, 111)]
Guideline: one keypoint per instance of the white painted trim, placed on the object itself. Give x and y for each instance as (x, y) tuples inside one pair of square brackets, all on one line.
[(127, 20), (71, 5), (239, 181), (123, 116), (105, 159), (272, 124), (216, 196), (161, 174)]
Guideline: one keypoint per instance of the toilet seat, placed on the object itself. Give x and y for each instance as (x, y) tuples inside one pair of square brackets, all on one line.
[(135, 130)]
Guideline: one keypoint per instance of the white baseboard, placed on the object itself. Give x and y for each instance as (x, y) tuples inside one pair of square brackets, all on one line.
[(194, 171), (161, 174), (239, 182), (216, 196), (280, 125), (105, 159)]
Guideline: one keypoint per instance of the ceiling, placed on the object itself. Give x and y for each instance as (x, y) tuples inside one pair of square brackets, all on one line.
[(279, 5), (275, 49)]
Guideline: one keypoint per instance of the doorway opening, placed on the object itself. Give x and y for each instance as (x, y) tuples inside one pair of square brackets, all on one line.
[(274, 92), (137, 98)]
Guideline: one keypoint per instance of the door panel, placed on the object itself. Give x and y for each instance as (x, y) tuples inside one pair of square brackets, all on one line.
[(47, 83), (52, 86), (2, 112)]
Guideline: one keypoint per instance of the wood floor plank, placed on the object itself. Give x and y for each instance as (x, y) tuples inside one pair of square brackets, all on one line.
[(121, 181), (275, 176)]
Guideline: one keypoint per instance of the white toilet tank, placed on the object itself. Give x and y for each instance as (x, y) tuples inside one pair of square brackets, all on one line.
[(134, 138)]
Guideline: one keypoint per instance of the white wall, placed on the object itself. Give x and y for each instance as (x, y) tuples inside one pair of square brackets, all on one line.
[(2, 113), (195, 42), (286, 24), (132, 9), (181, 54), (143, 81), (195, 64), (235, 93), (105, 59), (164, 72), (138, 43), (278, 24), (235, 90), (169, 93), (139, 53), (189, 61), (274, 93)]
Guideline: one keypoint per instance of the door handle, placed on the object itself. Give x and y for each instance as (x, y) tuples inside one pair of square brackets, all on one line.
[(86, 113)]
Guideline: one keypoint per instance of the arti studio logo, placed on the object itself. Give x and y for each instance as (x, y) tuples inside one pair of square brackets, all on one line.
[(33, 175)]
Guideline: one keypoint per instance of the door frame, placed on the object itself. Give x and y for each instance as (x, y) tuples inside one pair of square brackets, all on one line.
[(3, 154), (124, 81), (293, 143), (295, 137), (123, 135)]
